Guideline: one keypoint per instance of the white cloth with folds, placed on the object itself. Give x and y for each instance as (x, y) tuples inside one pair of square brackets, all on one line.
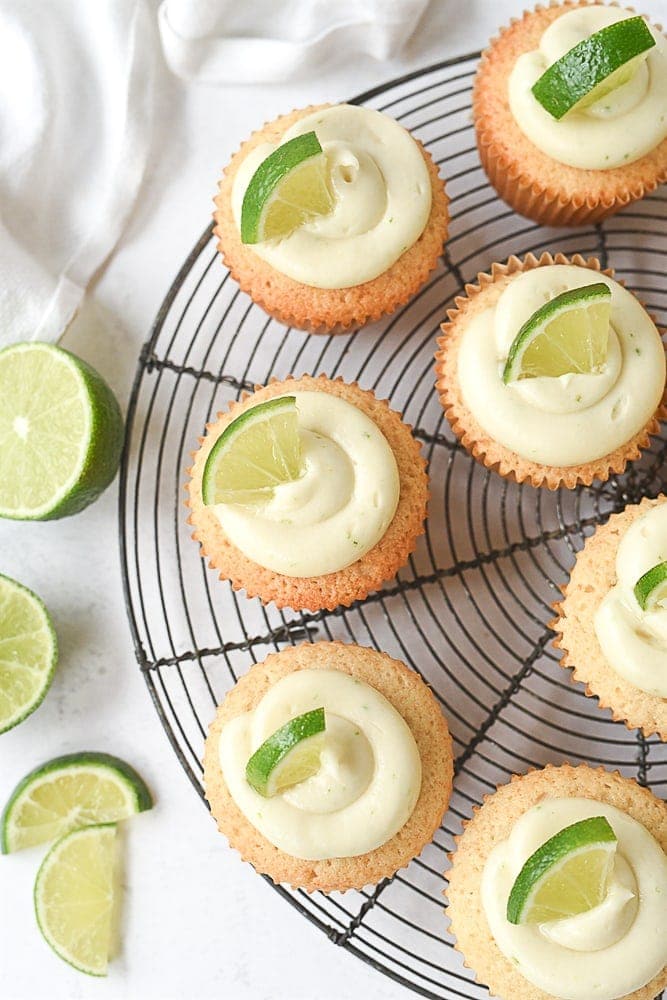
[(76, 82), (264, 41), (75, 106)]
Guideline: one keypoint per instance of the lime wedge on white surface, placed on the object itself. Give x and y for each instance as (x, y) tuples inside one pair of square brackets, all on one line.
[(28, 652)]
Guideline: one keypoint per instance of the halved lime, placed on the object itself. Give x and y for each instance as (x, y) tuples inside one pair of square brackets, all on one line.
[(567, 875), (259, 450), (290, 187), (61, 433), (28, 652), (651, 588), (594, 67), (74, 897), (69, 792), (569, 333), (289, 756)]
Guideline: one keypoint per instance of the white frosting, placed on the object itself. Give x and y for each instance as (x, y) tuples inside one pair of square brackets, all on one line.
[(619, 128), (370, 775), (634, 642), (383, 199), (603, 954), (338, 510), (572, 419)]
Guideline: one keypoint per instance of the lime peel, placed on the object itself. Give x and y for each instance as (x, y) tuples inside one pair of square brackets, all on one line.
[(594, 67), (576, 859), (288, 756), (568, 334), (652, 587)]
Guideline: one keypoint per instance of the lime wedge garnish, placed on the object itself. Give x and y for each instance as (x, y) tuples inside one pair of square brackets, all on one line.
[(568, 334), (74, 897), (28, 652), (61, 432), (258, 451), (567, 875), (651, 588), (290, 187), (594, 67), (68, 792), (288, 756)]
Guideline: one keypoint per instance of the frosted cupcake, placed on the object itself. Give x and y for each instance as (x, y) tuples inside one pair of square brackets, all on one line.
[(557, 888), (308, 493), (612, 622), (328, 766), (330, 217), (570, 112), (551, 372)]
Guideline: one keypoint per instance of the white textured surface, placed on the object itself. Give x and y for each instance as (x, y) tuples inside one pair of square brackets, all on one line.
[(197, 923)]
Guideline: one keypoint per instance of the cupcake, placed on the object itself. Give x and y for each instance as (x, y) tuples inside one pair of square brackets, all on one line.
[(593, 413), (321, 503), (567, 164), (373, 221), (367, 783), (612, 622), (558, 885)]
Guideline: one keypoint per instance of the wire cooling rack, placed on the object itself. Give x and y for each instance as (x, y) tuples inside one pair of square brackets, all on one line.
[(470, 611)]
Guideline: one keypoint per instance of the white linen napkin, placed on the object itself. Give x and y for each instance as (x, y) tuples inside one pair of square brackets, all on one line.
[(261, 41), (75, 107)]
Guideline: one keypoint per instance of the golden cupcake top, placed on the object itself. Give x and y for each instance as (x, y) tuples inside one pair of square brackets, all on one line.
[(631, 621), (346, 795), (360, 197), (563, 368), (308, 474), (575, 898), (622, 117), (330, 487), (328, 766)]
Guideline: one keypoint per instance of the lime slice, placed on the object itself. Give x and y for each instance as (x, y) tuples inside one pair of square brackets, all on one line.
[(28, 652), (651, 588), (568, 334), (289, 756), (567, 875), (61, 433), (256, 452), (68, 792), (74, 897), (594, 67), (290, 187)]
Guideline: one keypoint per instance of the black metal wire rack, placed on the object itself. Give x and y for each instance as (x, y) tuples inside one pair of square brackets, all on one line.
[(471, 610)]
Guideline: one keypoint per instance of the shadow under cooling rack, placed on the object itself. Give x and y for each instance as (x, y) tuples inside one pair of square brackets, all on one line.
[(469, 611)]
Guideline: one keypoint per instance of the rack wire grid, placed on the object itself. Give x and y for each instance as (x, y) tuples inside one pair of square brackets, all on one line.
[(471, 609)]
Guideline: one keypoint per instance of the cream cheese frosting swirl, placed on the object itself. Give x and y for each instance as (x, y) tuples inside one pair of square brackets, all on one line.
[(382, 199), (634, 642), (340, 507), (370, 774), (617, 129), (572, 419), (606, 953)]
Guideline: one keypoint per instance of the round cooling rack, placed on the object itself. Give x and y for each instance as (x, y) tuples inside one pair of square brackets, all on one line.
[(470, 611)]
